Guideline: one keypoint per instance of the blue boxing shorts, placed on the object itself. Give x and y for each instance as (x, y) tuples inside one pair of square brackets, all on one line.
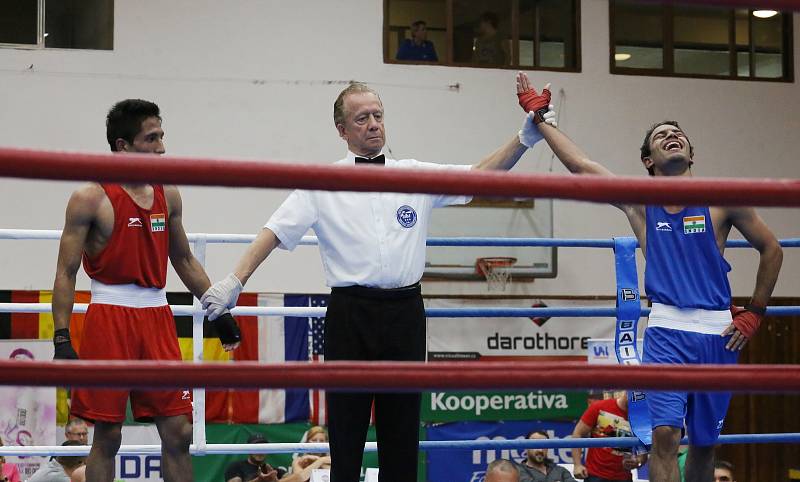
[(682, 336)]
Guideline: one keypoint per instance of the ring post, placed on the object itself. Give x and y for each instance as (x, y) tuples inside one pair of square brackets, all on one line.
[(198, 394)]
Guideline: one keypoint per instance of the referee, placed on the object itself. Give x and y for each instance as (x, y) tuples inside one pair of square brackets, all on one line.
[(373, 252)]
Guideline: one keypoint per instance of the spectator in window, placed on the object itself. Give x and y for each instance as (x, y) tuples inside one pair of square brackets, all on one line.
[(502, 470), (8, 472), (489, 46), (418, 47), (538, 468), (723, 471), (254, 468), (76, 429), (605, 418), (61, 468)]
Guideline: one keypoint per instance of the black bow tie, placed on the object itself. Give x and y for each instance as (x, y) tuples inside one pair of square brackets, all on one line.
[(375, 160)]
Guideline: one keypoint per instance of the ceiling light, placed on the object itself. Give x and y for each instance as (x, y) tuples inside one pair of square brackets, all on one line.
[(764, 13), (622, 57)]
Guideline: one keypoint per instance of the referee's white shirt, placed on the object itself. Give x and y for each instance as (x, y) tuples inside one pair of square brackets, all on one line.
[(374, 239)]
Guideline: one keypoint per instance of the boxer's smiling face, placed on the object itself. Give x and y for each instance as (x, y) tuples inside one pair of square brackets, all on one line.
[(363, 128), (670, 151)]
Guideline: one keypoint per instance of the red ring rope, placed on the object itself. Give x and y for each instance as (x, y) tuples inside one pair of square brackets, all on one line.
[(218, 172), (402, 376)]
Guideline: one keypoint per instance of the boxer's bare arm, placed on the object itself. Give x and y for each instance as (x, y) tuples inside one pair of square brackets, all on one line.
[(81, 213), (189, 270)]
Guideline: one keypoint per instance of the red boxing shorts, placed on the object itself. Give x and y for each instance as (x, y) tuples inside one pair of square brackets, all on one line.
[(114, 332)]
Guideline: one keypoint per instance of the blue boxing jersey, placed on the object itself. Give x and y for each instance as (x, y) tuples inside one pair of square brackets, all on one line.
[(684, 266)]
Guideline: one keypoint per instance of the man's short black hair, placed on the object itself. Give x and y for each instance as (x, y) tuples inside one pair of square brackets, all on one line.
[(418, 24), (124, 120), (645, 149), (540, 432), (490, 18), (724, 464)]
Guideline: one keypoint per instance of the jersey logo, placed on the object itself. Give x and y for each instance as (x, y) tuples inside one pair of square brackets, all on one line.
[(185, 395), (157, 222), (134, 223), (662, 226), (694, 224), (406, 216)]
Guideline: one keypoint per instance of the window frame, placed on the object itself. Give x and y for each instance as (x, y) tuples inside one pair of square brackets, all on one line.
[(668, 49), (40, 31), (446, 60), (39, 45)]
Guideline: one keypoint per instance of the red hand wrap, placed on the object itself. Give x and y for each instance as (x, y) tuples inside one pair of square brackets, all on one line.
[(531, 101), (746, 321)]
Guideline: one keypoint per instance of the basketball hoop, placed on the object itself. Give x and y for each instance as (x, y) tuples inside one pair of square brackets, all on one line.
[(496, 270)]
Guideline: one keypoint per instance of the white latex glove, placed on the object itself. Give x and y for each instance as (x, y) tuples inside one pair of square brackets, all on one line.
[(529, 135), (221, 296)]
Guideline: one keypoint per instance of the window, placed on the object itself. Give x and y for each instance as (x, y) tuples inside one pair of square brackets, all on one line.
[(539, 34), (698, 41), (65, 24)]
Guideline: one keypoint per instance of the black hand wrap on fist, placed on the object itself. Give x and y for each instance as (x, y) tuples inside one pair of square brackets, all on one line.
[(227, 329), (63, 345)]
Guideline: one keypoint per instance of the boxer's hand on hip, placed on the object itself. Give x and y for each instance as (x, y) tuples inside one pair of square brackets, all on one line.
[(221, 296)]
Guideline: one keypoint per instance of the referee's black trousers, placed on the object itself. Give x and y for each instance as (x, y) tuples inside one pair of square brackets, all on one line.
[(374, 324)]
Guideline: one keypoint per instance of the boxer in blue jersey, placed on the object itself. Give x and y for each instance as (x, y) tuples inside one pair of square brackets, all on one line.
[(686, 278)]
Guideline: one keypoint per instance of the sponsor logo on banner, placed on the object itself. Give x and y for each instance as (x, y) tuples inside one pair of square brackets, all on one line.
[(526, 405), (470, 466), (601, 351), (694, 224), (540, 341), (468, 338), (158, 222)]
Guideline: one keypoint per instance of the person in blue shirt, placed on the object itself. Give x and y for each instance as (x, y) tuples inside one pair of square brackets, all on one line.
[(418, 47), (692, 320)]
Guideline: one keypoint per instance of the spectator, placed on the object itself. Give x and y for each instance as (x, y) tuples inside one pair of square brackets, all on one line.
[(502, 470), (723, 471), (59, 469), (8, 471), (254, 469), (304, 465), (605, 418), (488, 46), (538, 468), (418, 47), (76, 429)]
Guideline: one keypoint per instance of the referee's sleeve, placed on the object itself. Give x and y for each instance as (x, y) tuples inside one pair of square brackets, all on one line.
[(293, 219), (441, 200)]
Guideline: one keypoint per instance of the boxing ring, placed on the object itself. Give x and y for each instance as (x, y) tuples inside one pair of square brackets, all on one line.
[(392, 376)]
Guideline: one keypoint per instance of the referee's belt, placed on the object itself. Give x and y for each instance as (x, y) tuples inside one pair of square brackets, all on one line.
[(410, 291)]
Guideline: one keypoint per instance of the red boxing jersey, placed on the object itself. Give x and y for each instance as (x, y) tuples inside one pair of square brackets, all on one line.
[(138, 249), (607, 420)]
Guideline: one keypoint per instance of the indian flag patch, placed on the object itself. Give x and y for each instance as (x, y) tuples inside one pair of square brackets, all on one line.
[(694, 224), (157, 222)]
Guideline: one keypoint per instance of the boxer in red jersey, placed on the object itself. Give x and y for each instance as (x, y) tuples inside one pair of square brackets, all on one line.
[(124, 234)]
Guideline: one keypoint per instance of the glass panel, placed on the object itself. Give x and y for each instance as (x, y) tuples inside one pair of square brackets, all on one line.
[(638, 35), (79, 24), (418, 30), (18, 21), (482, 32), (527, 32), (742, 42), (556, 33), (702, 40), (768, 42)]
